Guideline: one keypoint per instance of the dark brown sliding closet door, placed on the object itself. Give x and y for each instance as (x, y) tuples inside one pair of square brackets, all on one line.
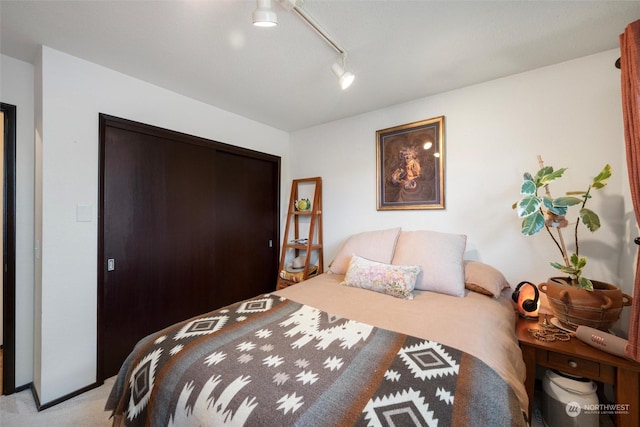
[(244, 226), (185, 228)]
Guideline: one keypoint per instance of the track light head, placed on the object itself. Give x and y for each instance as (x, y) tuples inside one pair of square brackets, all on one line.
[(344, 77), (264, 16)]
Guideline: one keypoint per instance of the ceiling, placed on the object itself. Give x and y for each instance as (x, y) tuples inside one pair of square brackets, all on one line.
[(399, 50)]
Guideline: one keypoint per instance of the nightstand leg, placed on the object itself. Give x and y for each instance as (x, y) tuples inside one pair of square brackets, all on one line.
[(627, 386), (529, 357)]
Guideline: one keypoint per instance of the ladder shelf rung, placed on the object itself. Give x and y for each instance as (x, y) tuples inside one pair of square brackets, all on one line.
[(305, 212), (302, 246)]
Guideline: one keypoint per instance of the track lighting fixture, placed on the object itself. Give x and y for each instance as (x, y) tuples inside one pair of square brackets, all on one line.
[(344, 77), (264, 16)]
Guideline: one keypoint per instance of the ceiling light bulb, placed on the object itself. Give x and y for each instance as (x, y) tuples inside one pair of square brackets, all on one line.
[(344, 77), (346, 80), (264, 16)]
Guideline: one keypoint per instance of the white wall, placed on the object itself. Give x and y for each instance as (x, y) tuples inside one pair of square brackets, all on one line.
[(16, 88), (74, 92), (568, 113)]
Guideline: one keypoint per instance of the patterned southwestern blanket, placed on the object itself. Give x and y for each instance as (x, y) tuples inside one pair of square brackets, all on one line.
[(270, 361)]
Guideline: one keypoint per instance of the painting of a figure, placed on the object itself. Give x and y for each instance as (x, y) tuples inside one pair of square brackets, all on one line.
[(410, 168)]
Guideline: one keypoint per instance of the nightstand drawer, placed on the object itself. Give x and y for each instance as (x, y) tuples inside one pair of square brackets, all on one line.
[(574, 365)]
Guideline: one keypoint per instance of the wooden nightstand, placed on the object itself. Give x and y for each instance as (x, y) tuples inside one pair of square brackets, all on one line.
[(578, 358)]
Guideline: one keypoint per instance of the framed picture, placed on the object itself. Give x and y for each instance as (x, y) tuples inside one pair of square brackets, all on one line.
[(410, 165)]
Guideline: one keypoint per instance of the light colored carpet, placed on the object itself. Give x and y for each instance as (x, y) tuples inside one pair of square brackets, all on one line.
[(85, 410)]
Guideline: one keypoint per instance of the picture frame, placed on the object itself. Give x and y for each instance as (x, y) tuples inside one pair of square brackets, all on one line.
[(410, 166)]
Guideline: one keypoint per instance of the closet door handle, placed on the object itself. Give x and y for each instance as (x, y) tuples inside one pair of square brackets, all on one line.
[(637, 240)]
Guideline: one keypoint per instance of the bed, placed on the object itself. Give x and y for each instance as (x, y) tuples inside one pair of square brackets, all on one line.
[(334, 350)]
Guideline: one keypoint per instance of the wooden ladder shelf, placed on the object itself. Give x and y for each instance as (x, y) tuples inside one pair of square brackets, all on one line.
[(297, 245)]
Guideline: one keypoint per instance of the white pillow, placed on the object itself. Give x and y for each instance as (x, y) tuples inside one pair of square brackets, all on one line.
[(372, 245), (439, 255), (395, 280)]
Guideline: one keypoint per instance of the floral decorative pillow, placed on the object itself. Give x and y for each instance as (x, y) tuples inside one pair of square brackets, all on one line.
[(394, 280)]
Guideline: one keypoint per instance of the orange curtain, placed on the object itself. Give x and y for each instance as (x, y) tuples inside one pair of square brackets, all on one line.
[(630, 69)]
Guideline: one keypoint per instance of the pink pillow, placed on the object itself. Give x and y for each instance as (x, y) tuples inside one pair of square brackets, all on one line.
[(439, 255), (372, 245), (483, 278)]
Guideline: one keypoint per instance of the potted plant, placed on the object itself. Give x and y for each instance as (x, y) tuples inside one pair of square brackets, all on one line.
[(574, 299)]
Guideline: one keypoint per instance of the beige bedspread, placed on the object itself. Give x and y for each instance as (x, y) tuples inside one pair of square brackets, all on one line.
[(477, 324)]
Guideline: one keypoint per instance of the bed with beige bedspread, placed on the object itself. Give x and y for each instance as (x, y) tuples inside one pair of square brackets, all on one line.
[(339, 349)]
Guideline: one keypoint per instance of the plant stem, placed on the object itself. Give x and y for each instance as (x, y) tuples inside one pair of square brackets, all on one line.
[(585, 197), (564, 249), (575, 233), (560, 245)]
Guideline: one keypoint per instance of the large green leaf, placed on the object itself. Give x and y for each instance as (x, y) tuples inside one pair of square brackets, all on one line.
[(549, 175), (566, 201), (602, 176), (585, 283), (528, 206), (568, 270), (547, 170), (528, 187), (548, 203), (590, 219), (532, 224), (578, 261)]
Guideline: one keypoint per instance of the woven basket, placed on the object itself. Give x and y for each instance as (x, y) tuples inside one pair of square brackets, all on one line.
[(299, 275)]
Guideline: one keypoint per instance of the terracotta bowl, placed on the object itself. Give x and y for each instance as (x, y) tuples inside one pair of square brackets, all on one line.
[(572, 306)]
